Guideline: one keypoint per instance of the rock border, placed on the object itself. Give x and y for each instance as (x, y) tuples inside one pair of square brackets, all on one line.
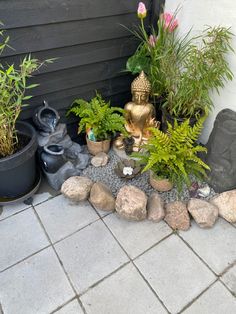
[(133, 204)]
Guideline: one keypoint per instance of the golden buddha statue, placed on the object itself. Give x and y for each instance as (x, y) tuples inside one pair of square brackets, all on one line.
[(139, 114)]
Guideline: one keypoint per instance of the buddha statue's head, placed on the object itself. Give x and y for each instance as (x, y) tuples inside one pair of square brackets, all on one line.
[(140, 88)]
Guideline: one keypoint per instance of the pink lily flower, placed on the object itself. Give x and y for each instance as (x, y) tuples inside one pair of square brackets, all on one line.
[(170, 23), (152, 40), (142, 11)]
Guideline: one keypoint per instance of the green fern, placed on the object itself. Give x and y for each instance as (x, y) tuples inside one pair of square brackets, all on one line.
[(97, 115), (173, 154)]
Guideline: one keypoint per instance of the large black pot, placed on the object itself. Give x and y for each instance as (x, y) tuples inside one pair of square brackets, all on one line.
[(18, 171), (167, 117)]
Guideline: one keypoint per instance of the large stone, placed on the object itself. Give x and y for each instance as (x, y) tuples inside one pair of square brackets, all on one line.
[(101, 197), (131, 203), (155, 207), (77, 188), (226, 202), (221, 156), (177, 215), (204, 213), (100, 160)]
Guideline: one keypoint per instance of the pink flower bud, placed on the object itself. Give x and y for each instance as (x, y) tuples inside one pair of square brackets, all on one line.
[(170, 23), (152, 40), (142, 11)]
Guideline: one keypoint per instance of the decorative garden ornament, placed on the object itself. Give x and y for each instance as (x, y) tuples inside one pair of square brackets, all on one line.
[(46, 118), (139, 114), (52, 158), (127, 168)]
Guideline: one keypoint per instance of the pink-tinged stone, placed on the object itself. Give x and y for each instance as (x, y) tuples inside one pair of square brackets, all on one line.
[(177, 215)]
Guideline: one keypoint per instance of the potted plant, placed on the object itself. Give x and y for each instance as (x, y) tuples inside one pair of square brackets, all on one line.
[(203, 70), (160, 51), (17, 139), (100, 121), (183, 70), (172, 156)]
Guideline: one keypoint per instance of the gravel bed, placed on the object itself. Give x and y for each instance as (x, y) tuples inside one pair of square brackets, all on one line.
[(107, 176)]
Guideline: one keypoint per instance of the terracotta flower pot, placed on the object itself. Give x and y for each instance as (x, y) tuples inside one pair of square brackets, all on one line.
[(161, 185), (97, 147)]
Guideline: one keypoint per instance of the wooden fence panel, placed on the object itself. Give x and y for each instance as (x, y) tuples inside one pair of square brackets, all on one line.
[(88, 40)]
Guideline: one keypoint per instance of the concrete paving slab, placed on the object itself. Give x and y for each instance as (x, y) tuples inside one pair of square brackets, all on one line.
[(61, 218), (21, 235), (89, 255), (71, 308), (37, 285), (217, 299), (174, 272), (136, 236), (216, 246), (9, 210), (44, 193), (123, 292), (229, 278)]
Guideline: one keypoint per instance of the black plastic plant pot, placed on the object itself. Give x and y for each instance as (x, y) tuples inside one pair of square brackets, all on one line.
[(167, 117), (18, 171)]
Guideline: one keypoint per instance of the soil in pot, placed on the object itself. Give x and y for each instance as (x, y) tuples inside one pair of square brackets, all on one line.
[(161, 185), (23, 140)]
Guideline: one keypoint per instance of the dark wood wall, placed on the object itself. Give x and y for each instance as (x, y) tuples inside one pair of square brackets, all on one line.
[(86, 37)]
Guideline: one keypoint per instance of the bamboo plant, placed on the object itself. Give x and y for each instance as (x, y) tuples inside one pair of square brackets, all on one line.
[(13, 88)]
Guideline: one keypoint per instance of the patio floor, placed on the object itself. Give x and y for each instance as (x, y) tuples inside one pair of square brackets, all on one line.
[(70, 259)]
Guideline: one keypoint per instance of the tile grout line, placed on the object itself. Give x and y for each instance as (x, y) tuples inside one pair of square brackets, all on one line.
[(59, 260), (233, 294), (64, 304), (196, 254), (29, 206), (147, 283), (205, 263), (227, 268), (74, 232), (151, 247), (51, 243), (24, 259), (20, 211), (104, 278), (197, 297)]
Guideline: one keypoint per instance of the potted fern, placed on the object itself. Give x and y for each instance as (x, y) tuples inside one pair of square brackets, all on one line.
[(172, 156), (100, 121), (18, 142)]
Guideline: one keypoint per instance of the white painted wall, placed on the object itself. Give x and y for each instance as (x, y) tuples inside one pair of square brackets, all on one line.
[(197, 14)]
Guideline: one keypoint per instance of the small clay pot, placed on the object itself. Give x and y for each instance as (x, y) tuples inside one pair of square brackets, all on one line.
[(161, 185), (97, 147)]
